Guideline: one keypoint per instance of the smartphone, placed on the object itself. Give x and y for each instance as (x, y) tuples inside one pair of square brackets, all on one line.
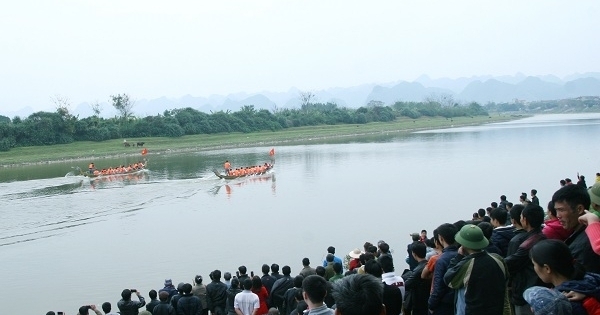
[(133, 290), (252, 274)]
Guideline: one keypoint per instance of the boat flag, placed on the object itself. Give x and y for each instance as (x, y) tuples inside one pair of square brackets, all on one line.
[(144, 151), (272, 152)]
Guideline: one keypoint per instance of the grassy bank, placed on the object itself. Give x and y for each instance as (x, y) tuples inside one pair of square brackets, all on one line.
[(84, 149)]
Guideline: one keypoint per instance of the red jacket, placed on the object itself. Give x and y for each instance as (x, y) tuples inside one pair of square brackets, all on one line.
[(554, 230)]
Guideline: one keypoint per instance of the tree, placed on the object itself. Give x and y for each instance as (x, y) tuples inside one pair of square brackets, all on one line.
[(123, 104), (66, 127), (96, 108), (306, 98), (63, 105)]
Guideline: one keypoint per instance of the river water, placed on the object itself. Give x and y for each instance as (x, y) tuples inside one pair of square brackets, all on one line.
[(66, 241)]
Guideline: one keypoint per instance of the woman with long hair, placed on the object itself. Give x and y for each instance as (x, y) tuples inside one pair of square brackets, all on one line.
[(554, 264), (263, 295)]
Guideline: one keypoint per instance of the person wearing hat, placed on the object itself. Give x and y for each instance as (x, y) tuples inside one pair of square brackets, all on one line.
[(354, 261), (592, 219), (478, 277), (570, 203), (546, 301), (169, 288)]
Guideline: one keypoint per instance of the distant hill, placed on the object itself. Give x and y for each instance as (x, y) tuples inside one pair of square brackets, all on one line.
[(482, 89)]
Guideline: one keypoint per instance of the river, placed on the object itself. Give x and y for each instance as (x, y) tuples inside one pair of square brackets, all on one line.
[(66, 241)]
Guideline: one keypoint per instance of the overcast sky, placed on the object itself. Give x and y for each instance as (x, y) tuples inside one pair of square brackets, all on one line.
[(88, 50)]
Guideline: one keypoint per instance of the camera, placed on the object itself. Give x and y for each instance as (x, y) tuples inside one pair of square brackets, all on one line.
[(60, 313), (133, 290)]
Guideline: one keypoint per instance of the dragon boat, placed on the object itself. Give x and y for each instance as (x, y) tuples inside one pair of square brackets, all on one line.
[(226, 176), (134, 171)]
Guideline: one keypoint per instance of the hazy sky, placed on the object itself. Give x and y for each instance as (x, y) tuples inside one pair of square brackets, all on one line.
[(88, 50)]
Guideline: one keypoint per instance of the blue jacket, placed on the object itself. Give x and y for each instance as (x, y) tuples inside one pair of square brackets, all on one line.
[(441, 300), (501, 236), (589, 285)]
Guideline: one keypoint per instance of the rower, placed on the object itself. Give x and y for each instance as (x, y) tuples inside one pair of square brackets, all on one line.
[(91, 168), (226, 166)]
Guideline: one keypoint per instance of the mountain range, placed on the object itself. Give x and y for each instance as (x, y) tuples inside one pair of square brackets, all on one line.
[(481, 89)]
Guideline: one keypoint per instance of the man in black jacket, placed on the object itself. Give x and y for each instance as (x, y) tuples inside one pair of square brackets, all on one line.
[(519, 264), (478, 277), (216, 294), (417, 288), (279, 288), (189, 304), (164, 307), (570, 203), (127, 306)]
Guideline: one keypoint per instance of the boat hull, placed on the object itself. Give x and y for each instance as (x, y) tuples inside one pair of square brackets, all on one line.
[(222, 176)]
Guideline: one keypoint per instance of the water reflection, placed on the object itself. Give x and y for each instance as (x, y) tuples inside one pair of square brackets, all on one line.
[(233, 186)]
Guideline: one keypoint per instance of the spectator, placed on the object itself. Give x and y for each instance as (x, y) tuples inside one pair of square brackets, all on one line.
[(263, 295), (227, 279), (314, 290), (412, 263), (417, 288), (487, 230), (503, 203), (392, 296), (246, 302), (389, 275), (289, 298), (242, 275), (337, 268), (216, 294), (519, 264), (592, 220), (359, 294), (164, 307), (107, 308), (502, 234), (478, 278), (331, 250), (177, 296), (84, 310), (127, 306), (570, 203), (279, 288), (169, 288), (553, 229), (329, 268), (199, 290), (266, 279), (354, 259), (534, 199), (554, 264), (189, 304), (233, 290), (153, 301), (441, 300), (307, 270), (275, 272)]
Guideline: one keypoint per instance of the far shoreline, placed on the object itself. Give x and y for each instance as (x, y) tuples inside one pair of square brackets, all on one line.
[(84, 150)]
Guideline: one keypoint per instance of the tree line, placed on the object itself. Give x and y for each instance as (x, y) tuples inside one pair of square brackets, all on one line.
[(60, 127)]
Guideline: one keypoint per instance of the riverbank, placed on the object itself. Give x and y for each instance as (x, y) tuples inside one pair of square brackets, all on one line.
[(83, 150)]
